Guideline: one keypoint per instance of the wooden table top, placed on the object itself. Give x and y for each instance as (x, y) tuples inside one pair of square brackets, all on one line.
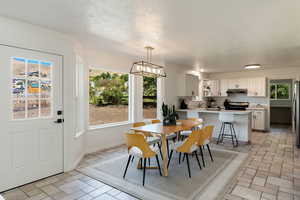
[(159, 128)]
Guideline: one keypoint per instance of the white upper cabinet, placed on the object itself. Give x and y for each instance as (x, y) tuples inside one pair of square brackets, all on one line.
[(224, 85), (191, 85), (257, 87), (211, 88)]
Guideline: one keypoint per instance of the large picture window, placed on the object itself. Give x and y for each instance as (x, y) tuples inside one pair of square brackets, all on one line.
[(108, 97), (149, 97), (280, 91), (31, 88)]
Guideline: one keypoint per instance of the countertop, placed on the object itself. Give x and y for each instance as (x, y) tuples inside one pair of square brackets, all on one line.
[(203, 110)]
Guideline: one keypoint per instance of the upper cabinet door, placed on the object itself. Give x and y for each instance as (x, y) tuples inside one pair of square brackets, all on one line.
[(224, 83), (211, 88), (192, 85), (257, 87)]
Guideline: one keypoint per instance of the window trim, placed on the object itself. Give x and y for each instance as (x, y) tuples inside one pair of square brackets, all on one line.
[(130, 93), (276, 99)]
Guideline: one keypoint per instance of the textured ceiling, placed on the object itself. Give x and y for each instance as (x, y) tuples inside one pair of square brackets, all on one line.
[(210, 35)]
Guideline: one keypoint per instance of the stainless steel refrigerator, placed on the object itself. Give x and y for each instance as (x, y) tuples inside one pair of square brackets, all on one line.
[(296, 112)]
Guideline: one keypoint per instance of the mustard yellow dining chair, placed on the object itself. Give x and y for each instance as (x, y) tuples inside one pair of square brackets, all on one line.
[(187, 147), (138, 147), (155, 121), (151, 139), (204, 140), (186, 133)]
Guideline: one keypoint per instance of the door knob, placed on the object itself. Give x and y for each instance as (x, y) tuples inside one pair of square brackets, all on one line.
[(59, 121)]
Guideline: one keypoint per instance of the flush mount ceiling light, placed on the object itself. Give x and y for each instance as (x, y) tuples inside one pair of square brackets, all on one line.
[(253, 66), (146, 68)]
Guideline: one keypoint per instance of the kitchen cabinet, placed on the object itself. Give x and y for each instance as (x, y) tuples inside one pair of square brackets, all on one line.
[(191, 85), (259, 119), (211, 88), (224, 87), (257, 87)]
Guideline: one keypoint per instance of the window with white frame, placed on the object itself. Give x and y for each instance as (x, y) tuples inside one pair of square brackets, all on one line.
[(108, 97), (280, 91), (149, 98), (31, 88)]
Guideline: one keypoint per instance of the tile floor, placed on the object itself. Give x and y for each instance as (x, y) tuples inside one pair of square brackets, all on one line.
[(272, 171)]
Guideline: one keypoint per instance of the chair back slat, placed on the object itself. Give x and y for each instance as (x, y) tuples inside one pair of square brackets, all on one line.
[(138, 140), (190, 141)]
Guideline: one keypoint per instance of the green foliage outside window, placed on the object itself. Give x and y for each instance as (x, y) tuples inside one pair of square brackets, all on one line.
[(280, 91), (108, 88)]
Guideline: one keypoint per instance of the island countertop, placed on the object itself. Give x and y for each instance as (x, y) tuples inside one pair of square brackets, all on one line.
[(203, 110), (242, 120)]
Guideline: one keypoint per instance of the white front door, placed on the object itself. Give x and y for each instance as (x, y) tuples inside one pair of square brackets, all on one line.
[(31, 142)]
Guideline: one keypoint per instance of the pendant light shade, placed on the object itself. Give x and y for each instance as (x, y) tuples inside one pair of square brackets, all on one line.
[(146, 68)]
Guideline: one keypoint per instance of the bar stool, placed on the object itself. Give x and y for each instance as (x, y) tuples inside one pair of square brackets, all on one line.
[(227, 119)]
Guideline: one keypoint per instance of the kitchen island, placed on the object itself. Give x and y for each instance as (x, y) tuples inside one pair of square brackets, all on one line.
[(242, 118)]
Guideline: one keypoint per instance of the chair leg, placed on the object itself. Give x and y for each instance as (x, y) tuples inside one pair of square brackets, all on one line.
[(208, 148), (159, 147), (141, 163), (188, 164), (223, 132), (179, 158), (195, 152), (202, 156), (236, 140), (231, 132), (220, 133), (171, 153), (132, 159), (168, 150), (158, 165), (144, 171), (149, 162), (129, 158)]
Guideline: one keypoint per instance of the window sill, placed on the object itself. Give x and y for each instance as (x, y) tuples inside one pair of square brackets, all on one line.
[(95, 127)]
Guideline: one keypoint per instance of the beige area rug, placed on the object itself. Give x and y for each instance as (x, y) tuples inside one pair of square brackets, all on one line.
[(208, 183)]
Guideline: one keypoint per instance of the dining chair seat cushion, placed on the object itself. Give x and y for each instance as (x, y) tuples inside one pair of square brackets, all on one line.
[(152, 140), (186, 133), (137, 152)]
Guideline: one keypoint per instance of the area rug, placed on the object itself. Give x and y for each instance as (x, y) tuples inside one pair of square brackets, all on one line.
[(208, 183)]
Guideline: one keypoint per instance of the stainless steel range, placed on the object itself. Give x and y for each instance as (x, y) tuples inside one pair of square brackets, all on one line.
[(231, 105)]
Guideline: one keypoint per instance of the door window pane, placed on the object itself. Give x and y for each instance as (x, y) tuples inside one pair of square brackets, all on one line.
[(31, 88), (18, 67), (33, 68), (45, 89), (45, 107), (18, 88), (108, 97), (46, 68), (33, 108), (18, 109)]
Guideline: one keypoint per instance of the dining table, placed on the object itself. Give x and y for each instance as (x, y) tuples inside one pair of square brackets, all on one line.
[(162, 131)]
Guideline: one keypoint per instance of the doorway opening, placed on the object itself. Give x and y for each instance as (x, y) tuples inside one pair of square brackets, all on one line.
[(281, 103)]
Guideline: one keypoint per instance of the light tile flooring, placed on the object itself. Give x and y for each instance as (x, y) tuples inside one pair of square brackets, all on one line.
[(272, 171)]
